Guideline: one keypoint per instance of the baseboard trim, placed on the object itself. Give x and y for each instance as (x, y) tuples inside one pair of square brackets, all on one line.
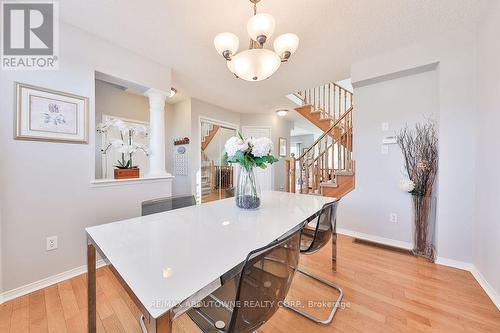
[(43, 283), (376, 239), (466, 266), (488, 289)]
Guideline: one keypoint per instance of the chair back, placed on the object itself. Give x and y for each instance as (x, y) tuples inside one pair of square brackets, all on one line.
[(325, 225), (164, 204), (264, 283)]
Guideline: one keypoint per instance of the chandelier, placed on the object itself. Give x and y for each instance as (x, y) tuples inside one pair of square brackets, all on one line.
[(256, 63)]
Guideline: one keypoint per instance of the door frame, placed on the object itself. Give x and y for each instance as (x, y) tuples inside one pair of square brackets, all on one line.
[(271, 166), (197, 175)]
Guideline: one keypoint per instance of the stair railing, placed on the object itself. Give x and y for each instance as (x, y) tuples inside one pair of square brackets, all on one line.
[(329, 156), (331, 100)]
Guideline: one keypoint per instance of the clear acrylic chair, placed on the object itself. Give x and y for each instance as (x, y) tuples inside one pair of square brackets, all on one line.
[(247, 301), (165, 204), (316, 234)]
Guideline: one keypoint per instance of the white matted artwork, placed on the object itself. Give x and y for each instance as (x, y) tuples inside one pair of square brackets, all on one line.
[(110, 158), (282, 147), (49, 115)]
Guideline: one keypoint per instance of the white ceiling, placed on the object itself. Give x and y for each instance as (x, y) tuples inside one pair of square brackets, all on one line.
[(333, 33)]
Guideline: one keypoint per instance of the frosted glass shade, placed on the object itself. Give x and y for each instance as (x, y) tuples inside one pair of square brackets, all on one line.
[(286, 43), (261, 25), (255, 64), (226, 41)]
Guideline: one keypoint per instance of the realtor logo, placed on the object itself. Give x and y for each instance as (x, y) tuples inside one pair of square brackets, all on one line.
[(29, 35)]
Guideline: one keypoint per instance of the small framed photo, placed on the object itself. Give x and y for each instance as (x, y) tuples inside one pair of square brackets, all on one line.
[(282, 145), (49, 115)]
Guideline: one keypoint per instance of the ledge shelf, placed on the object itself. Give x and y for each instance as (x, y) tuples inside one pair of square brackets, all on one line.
[(118, 182)]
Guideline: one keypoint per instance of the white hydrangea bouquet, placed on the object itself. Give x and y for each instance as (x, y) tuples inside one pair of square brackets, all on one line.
[(248, 153)]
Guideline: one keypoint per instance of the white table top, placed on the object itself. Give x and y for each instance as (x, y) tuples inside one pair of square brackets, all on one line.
[(168, 257)]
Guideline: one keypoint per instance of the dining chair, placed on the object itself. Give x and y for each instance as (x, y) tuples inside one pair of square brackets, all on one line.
[(164, 204), (315, 235), (246, 302)]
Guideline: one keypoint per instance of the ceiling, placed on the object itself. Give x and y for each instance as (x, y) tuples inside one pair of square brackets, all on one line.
[(333, 34)]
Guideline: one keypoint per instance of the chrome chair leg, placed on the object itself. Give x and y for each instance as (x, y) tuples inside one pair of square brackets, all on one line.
[(143, 325), (328, 320), (334, 251)]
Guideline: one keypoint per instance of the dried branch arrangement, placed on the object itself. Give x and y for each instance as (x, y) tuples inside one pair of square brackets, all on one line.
[(420, 151)]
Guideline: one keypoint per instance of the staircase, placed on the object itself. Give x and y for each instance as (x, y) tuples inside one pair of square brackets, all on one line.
[(208, 132), (326, 168)]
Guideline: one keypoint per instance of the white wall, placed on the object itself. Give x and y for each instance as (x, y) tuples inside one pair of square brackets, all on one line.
[(305, 141), (487, 178), (456, 96), (280, 127), (401, 101), (45, 187), (180, 127)]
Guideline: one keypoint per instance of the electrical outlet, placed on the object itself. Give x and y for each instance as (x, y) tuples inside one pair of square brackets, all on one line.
[(384, 150), (51, 243), (393, 218)]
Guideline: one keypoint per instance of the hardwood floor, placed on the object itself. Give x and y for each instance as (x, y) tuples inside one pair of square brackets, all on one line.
[(384, 292)]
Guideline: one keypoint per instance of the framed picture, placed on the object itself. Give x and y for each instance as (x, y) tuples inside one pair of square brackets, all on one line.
[(282, 145), (49, 115)]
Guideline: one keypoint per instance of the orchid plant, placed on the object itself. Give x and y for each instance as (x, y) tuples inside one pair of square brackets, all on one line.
[(126, 145), (249, 152)]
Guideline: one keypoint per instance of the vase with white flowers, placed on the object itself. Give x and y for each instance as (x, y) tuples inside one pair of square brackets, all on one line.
[(126, 145), (248, 153)]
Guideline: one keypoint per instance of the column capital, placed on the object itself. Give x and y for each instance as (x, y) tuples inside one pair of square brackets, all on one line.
[(156, 96)]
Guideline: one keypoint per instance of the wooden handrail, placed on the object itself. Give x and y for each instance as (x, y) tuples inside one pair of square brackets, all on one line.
[(326, 133), (332, 151)]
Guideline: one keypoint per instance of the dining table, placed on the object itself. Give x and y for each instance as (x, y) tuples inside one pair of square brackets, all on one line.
[(169, 261)]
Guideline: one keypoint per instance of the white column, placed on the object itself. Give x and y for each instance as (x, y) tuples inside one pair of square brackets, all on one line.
[(157, 100)]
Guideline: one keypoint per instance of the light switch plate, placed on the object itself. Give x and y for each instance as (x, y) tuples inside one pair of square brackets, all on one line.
[(385, 127), (385, 150)]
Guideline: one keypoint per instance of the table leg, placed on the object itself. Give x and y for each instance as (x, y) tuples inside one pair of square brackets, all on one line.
[(91, 288), (162, 324)]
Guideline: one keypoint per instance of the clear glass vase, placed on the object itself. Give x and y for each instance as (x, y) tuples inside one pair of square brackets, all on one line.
[(248, 190), (424, 214)]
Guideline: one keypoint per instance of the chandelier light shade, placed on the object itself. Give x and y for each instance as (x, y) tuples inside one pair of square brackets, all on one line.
[(286, 45), (256, 63), (226, 42), (261, 27)]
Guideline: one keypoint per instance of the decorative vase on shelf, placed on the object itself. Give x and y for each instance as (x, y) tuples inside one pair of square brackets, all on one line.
[(248, 190)]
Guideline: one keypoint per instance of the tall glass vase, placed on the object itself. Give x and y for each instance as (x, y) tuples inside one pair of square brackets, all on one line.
[(424, 210), (248, 190)]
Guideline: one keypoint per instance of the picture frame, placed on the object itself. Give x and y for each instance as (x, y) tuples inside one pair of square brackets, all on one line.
[(282, 147), (49, 115)]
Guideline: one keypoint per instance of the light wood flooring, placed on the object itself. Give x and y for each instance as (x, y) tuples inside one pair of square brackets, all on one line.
[(384, 292)]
